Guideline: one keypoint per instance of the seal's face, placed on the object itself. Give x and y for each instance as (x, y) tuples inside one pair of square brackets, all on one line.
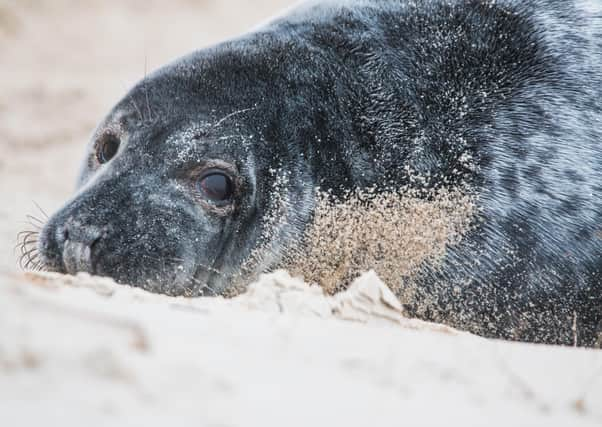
[(182, 199)]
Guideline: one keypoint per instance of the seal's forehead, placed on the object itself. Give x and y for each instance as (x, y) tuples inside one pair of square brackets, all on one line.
[(185, 143), (217, 129), (198, 141)]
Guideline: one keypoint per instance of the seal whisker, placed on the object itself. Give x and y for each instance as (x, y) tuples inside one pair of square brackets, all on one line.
[(27, 244), (38, 266), (25, 235), (233, 114), (26, 238), (28, 252), (24, 243), (144, 86), (31, 224), (204, 266), (135, 105), (203, 286), (148, 107), (34, 221), (32, 261), (26, 258), (30, 235), (41, 210)]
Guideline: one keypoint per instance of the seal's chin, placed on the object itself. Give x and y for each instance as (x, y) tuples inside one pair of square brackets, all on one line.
[(176, 282), (227, 281)]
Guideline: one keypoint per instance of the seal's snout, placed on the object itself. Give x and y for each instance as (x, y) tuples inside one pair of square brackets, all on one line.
[(71, 247), (123, 230), (78, 242)]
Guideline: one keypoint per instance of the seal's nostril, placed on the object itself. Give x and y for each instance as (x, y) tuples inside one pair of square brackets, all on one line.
[(80, 232), (80, 240)]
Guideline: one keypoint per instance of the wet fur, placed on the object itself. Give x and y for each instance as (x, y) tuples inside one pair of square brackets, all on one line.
[(503, 98)]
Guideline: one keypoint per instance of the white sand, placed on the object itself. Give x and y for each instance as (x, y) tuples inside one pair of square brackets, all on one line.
[(86, 352)]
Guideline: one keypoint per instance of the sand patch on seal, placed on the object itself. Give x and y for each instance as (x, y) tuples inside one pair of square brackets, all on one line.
[(392, 233)]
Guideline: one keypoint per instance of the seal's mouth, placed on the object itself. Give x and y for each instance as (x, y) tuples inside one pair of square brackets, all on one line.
[(77, 257)]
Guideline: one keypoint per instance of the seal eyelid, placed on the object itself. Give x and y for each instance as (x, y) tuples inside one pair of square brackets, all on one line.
[(107, 147)]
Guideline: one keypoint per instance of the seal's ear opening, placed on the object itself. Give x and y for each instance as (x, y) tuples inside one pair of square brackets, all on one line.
[(107, 147)]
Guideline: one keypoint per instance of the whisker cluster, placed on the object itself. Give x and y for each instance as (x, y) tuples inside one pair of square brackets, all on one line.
[(27, 243)]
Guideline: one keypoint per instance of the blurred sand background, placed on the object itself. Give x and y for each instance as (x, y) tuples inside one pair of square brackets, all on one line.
[(86, 352)]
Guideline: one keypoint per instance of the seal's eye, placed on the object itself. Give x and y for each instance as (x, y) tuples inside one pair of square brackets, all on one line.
[(107, 148), (216, 186)]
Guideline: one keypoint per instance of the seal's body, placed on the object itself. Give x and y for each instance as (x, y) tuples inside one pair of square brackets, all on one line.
[(217, 156)]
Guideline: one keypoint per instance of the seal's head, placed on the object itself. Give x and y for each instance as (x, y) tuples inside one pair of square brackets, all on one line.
[(185, 188)]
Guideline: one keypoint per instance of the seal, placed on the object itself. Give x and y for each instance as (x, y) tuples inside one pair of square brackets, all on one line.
[(207, 170)]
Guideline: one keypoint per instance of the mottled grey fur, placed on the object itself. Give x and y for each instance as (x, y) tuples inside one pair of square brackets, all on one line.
[(347, 94)]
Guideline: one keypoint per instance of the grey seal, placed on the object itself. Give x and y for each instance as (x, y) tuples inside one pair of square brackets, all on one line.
[(214, 160)]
